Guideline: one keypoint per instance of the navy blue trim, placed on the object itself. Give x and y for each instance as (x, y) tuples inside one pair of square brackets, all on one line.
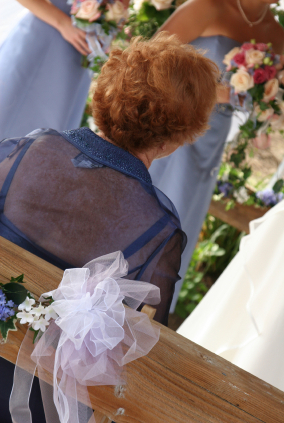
[(146, 236), (33, 248), (10, 176), (107, 154), (153, 255)]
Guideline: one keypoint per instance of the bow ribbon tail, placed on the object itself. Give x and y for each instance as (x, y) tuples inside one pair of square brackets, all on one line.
[(23, 379), (70, 398)]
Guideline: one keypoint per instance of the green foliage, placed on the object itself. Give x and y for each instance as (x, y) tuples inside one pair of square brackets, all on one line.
[(5, 327), (15, 292), (278, 186), (218, 244), (147, 20)]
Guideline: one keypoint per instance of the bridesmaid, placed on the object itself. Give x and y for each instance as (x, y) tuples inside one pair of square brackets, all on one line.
[(42, 83), (189, 175)]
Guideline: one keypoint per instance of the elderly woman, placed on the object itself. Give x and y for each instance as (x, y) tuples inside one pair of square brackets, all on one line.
[(71, 196)]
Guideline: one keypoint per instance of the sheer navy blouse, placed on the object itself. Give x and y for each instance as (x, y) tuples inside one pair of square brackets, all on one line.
[(72, 196)]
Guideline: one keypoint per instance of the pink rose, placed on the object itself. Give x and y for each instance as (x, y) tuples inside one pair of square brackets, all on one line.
[(248, 46), (270, 71), (89, 10), (240, 59), (259, 76), (261, 46), (270, 90), (262, 142)]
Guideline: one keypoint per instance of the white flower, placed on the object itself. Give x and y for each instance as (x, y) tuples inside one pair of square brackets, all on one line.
[(241, 195), (281, 105), (27, 304), (280, 77), (161, 4), (254, 57), (50, 313), (137, 4), (277, 122), (116, 12), (25, 317), (242, 81), (270, 89), (263, 115), (38, 310), (40, 324), (228, 57)]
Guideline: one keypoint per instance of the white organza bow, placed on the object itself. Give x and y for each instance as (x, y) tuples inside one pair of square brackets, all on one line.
[(92, 338)]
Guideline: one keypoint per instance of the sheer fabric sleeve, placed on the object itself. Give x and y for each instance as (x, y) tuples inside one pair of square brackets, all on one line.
[(165, 275)]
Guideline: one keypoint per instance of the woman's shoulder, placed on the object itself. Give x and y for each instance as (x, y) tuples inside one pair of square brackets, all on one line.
[(278, 38)]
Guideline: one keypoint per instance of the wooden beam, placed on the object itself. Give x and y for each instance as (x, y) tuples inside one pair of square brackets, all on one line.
[(178, 381), (238, 217)]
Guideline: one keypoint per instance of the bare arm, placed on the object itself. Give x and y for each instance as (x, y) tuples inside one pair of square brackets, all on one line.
[(53, 16), (191, 19), (188, 22)]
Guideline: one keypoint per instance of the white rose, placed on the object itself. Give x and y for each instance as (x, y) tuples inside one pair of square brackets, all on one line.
[(270, 89), (241, 195), (161, 4), (281, 105), (137, 4), (280, 77), (228, 57), (277, 122), (88, 10), (116, 12), (263, 115), (254, 57), (241, 81)]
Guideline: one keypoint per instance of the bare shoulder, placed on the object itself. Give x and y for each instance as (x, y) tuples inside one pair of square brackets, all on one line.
[(277, 37), (207, 7)]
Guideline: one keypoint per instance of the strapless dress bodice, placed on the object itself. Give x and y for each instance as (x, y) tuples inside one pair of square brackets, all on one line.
[(216, 47), (62, 5)]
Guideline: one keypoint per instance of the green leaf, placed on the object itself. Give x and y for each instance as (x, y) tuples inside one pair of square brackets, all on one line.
[(6, 326), (36, 332), (277, 187), (19, 279), (15, 292)]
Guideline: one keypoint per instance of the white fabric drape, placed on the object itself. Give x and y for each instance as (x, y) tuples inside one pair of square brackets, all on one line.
[(242, 316)]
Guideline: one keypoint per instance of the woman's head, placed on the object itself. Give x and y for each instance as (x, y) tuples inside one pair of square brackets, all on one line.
[(155, 92)]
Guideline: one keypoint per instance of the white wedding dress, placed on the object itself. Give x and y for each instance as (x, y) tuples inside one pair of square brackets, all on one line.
[(242, 316)]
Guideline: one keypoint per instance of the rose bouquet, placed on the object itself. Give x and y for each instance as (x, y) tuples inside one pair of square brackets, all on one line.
[(101, 20), (256, 76)]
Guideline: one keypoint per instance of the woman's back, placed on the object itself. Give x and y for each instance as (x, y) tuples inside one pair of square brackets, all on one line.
[(92, 205)]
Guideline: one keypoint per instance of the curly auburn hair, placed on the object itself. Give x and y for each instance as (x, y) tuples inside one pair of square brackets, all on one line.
[(153, 92)]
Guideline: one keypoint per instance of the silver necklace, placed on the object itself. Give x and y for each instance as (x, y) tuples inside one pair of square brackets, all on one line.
[(245, 17)]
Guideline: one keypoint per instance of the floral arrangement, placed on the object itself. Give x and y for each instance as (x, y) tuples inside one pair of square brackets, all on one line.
[(102, 20), (146, 16), (257, 77), (17, 304)]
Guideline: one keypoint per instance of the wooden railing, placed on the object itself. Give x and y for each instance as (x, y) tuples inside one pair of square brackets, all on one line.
[(178, 382), (238, 217)]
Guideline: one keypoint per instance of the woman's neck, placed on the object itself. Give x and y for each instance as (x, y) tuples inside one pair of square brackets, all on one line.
[(146, 157), (253, 9)]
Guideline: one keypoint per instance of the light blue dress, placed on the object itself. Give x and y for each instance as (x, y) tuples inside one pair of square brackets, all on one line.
[(42, 83), (188, 176)]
